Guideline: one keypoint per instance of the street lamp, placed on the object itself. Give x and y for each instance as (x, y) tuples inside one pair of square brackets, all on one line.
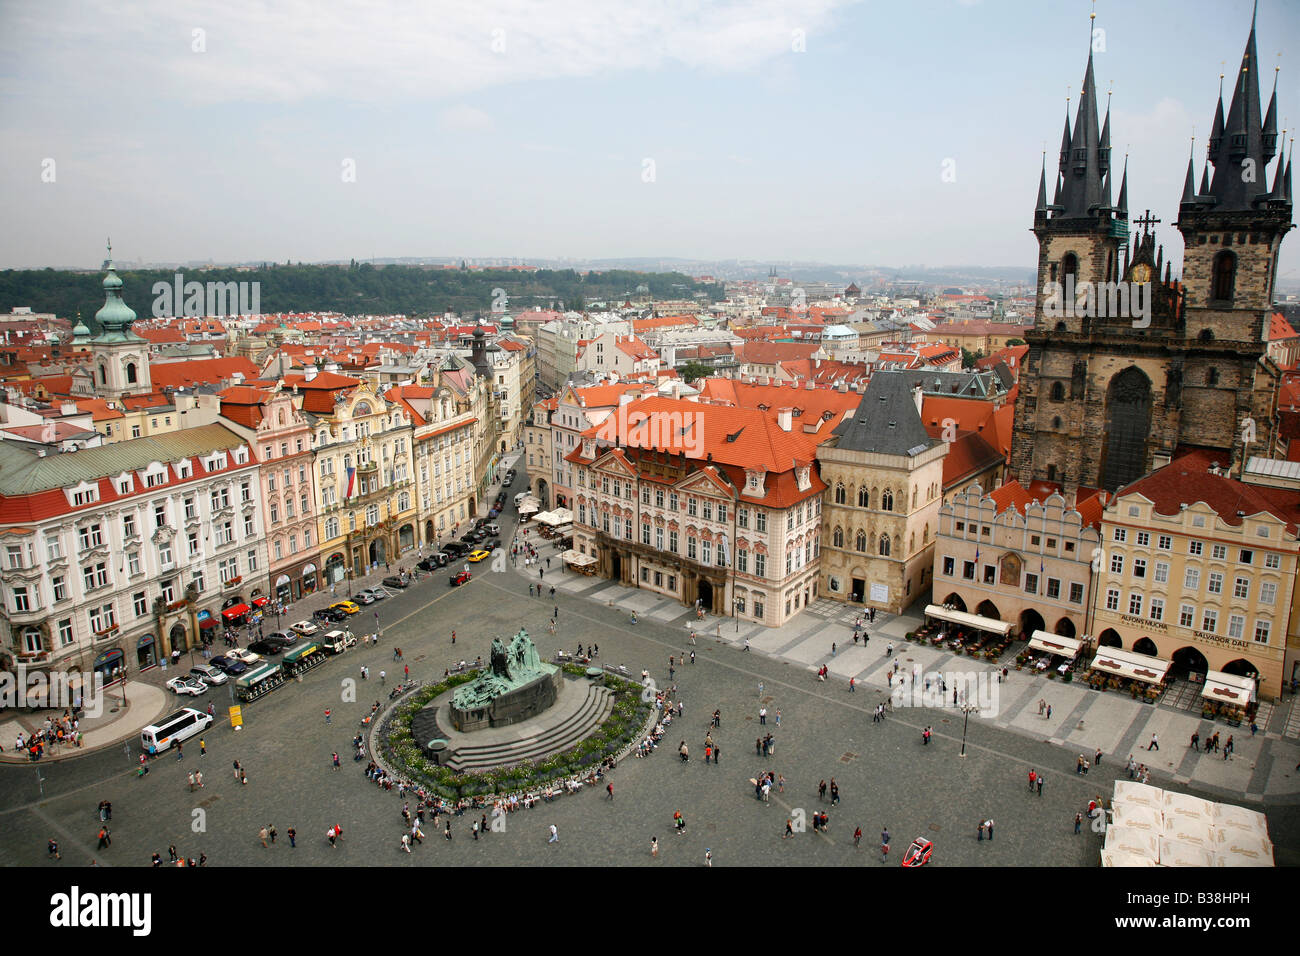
[(966, 710)]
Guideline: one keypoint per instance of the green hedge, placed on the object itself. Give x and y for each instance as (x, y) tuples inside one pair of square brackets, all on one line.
[(623, 725)]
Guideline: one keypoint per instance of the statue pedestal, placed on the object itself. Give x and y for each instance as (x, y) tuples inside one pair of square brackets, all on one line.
[(510, 707)]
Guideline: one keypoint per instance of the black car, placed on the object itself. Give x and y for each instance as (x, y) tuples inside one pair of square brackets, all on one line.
[(491, 544), (329, 615), (433, 561), (228, 665), (480, 522), (455, 549), (267, 647)]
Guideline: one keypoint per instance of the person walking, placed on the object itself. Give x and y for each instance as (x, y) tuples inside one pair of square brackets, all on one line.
[(191, 781), (198, 778), (336, 760), (884, 844), (1040, 784), (857, 838), (180, 750), (555, 835), (1196, 741), (654, 846), (327, 715), (203, 748), (981, 831), (1033, 777), (293, 838), (1096, 760), (1155, 744), (261, 835), (105, 838), (988, 828), (1078, 822), (789, 829), (708, 857), (53, 847), (609, 789), (1227, 748), (852, 685)]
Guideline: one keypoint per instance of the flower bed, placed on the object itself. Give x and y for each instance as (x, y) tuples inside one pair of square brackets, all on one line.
[(625, 724)]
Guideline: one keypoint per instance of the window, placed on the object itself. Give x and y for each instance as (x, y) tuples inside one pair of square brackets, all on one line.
[(90, 537), (1273, 561), (627, 528), (1210, 621), (659, 539), (1157, 611), (165, 554), (722, 511), (1236, 626), (1262, 629), (692, 506), (760, 520), (1112, 599), (1162, 572), (949, 564), (1224, 276), (1121, 534), (1165, 542), (839, 494), (1241, 588), (1195, 548), (886, 500), (94, 576), (160, 515), (60, 584), (760, 565), (1031, 583), (1054, 589), (742, 561), (190, 512), (1192, 579), (1135, 604), (968, 570), (742, 517), (1076, 593), (672, 541), (249, 525), (279, 549), (1215, 583), (54, 548), (192, 544), (140, 603), (645, 494), (645, 534), (1267, 592), (1186, 614), (673, 501), (708, 510), (659, 497), (102, 618), (1139, 567), (1144, 539), (65, 632), (128, 526), (133, 563), (1117, 564), (20, 599), (1219, 552), (706, 552), (690, 547)]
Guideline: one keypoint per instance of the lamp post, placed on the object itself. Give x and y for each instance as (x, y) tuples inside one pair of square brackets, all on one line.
[(966, 710)]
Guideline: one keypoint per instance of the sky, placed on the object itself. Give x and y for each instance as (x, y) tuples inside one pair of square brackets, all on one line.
[(840, 131)]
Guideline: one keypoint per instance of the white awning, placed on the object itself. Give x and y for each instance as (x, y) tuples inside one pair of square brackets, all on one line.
[(1239, 848), (544, 517), (1128, 814), (968, 620), (1229, 688), (1141, 667), (577, 558), (1178, 853), (1140, 843), (1130, 791), (1051, 643), (557, 517)]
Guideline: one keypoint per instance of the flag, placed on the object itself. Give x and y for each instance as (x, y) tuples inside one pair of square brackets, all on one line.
[(352, 478)]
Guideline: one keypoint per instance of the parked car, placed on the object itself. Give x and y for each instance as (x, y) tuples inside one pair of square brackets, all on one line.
[(491, 544), (327, 616), (305, 628), (267, 646), (284, 637), (228, 665), (363, 598), (347, 607), (187, 685), (208, 674), (494, 528), (242, 654), (459, 578), (480, 555), (495, 512), (336, 642), (433, 561), (479, 522), (397, 581), (375, 592)]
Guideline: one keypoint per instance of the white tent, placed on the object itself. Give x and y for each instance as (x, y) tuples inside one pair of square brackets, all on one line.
[(1130, 791), (1177, 853), (1191, 830), (1141, 667), (544, 517), (1131, 840), (1184, 806), (1124, 858), (974, 621), (1127, 814), (1228, 817), (1228, 688), (577, 558), (1055, 644), (1238, 848), (557, 517)]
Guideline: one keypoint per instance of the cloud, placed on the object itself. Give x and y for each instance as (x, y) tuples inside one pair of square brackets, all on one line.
[(465, 119), (296, 50)]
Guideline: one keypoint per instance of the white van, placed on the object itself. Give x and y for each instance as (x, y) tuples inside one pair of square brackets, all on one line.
[(173, 729), (336, 642)]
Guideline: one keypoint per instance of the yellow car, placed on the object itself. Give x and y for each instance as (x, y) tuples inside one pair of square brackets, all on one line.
[(347, 607), (479, 555)]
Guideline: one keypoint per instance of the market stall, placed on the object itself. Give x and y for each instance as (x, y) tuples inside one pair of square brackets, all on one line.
[(1141, 674)]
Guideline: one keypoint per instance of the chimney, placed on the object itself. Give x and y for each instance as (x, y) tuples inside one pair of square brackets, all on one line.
[(917, 396), (309, 374), (784, 417)]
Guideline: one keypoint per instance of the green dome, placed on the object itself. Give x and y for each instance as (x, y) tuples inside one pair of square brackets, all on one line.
[(116, 315)]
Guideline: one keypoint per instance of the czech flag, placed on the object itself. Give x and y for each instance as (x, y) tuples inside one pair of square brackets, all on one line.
[(352, 480)]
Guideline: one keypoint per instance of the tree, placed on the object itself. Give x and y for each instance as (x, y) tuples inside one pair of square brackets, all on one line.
[(968, 359), (1011, 342), (693, 371)]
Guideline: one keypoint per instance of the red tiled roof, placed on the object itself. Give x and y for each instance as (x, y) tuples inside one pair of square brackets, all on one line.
[(1280, 328), (193, 372)]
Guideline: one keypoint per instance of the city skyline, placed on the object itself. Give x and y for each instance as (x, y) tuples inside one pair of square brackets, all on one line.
[(732, 132)]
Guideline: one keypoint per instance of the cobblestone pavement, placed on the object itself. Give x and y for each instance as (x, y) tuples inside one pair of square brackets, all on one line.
[(885, 773)]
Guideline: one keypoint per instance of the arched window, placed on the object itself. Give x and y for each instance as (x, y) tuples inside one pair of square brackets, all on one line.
[(103, 375), (837, 537), (1224, 276), (1206, 335), (1058, 392), (1069, 266), (886, 501), (925, 536), (130, 373), (914, 491), (839, 494), (861, 543), (864, 498), (1062, 327), (884, 545), (911, 542)]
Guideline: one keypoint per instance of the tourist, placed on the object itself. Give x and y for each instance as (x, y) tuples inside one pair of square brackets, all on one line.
[(555, 835), (654, 846)]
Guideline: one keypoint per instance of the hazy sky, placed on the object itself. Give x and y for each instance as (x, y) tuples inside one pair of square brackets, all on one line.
[(804, 129)]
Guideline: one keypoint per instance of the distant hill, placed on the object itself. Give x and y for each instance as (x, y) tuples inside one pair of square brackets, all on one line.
[(353, 289)]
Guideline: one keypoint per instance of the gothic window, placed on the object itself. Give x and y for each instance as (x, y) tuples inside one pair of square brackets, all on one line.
[(1069, 266), (103, 375), (864, 499), (886, 501), (1051, 472), (1206, 335), (884, 545), (1128, 423), (839, 494), (861, 542), (1224, 276), (130, 373), (1061, 327), (837, 538), (1058, 392)]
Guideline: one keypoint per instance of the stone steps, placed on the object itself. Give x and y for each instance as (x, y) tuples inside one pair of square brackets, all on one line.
[(597, 706)]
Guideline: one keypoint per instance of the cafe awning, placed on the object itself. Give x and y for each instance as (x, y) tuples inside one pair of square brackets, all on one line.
[(992, 625), (234, 612), (260, 601), (577, 558), (1141, 667), (1051, 643), (1228, 688), (207, 623)]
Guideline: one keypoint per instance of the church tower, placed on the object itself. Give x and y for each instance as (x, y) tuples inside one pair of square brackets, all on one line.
[(1232, 227), (121, 363)]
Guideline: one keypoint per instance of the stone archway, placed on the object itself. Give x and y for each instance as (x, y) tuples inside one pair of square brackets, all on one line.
[(378, 551), (705, 592), (1187, 660), (178, 638), (1241, 668), (955, 601), (989, 609), (334, 568), (1110, 638), (544, 494), (1065, 627), (1144, 645), (1030, 621)]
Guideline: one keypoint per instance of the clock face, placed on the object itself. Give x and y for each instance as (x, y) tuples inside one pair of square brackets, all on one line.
[(1140, 273)]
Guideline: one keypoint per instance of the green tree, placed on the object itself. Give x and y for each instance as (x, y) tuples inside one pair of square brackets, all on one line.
[(968, 359), (1011, 342), (694, 371)]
